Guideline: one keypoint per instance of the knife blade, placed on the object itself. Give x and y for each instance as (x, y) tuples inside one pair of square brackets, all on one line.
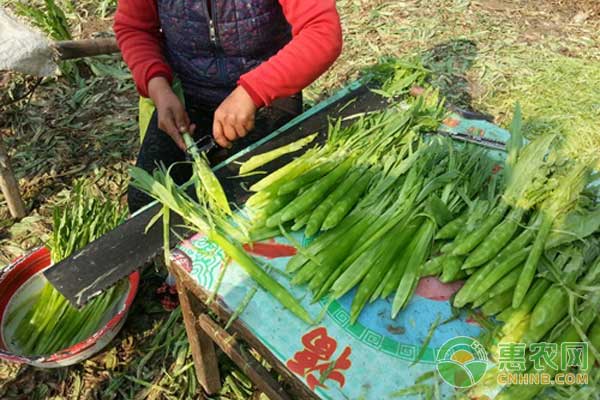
[(481, 141), (204, 145), (126, 248)]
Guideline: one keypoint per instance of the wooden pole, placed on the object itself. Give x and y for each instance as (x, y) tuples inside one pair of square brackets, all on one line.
[(70, 49), (9, 186), (201, 345)]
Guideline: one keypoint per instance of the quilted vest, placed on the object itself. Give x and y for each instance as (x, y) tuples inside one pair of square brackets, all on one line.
[(210, 45)]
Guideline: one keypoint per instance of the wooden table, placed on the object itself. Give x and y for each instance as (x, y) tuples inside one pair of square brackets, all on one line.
[(204, 332)]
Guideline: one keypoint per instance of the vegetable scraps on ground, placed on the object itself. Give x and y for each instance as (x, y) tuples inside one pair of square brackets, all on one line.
[(51, 324)]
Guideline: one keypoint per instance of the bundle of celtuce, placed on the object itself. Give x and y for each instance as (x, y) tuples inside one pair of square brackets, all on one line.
[(382, 244), (561, 307), (378, 191), (317, 190), (504, 252)]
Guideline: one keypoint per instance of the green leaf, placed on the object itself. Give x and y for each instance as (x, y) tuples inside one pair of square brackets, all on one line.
[(576, 226)]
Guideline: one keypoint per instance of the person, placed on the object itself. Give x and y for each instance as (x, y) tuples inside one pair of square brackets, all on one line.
[(242, 65)]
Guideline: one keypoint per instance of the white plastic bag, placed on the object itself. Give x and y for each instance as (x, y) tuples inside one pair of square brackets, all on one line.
[(22, 49)]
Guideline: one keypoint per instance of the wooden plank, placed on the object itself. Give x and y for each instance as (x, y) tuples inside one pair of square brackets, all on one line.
[(295, 386), (70, 49), (9, 186), (201, 345), (124, 249), (248, 364)]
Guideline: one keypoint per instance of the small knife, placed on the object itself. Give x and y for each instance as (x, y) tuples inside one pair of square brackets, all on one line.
[(204, 145)]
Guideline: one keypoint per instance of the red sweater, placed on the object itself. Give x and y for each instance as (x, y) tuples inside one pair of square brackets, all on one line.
[(316, 43)]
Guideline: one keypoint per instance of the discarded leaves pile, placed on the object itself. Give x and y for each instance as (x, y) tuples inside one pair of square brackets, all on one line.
[(388, 201)]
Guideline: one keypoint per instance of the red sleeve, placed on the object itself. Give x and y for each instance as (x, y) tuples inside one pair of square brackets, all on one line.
[(315, 45), (137, 29)]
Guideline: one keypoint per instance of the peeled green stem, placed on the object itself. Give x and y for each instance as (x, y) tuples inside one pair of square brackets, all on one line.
[(320, 213), (533, 259), (411, 272), (479, 234), (534, 294), (485, 277), (307, 200), (508, 282), (495, 241), (497, 303), (205, 174), (277, 178), (261, 277), (452, 228), (310, 176), (344, 206), (261, 159), (451, 268)]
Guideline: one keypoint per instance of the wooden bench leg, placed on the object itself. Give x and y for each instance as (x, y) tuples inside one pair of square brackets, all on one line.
[(248, 364), (202, 346)]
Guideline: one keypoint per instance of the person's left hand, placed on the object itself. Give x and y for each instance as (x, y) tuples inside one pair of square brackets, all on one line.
[(234, 118)]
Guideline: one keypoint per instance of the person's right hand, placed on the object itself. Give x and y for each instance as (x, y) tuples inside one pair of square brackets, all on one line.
[(172, 117)]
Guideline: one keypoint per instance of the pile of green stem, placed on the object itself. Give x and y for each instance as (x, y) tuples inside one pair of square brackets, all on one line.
[(522, 239), (317, 190), (51, 324), (561, 307), (537, 267), (378, 193)]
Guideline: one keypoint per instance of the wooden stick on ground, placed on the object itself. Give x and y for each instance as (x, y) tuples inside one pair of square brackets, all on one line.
[(9, 186), (66, 50)]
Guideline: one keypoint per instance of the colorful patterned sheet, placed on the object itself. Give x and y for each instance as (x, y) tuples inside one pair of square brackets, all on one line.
[(372, 359)]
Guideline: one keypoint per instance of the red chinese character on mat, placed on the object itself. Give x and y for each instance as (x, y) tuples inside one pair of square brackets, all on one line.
[(318, 350)]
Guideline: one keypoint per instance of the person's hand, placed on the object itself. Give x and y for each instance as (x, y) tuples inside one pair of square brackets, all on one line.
[(172, 117), (234, 118)]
